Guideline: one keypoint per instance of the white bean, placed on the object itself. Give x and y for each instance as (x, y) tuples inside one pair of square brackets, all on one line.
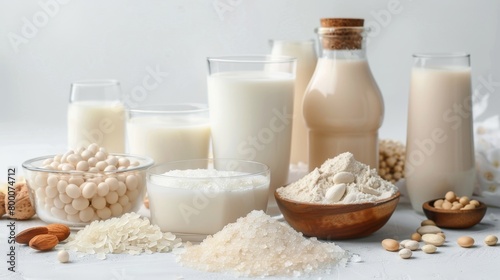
[(103, 189), (343, 178), (116, 209), (86, 214), (68, 208), (65, 198), (405, 253), (52, 180), (92, 161), (51, 191), (113, 183), (104, 213), (101, 165), (73, 191), (89, 190), (63, 256), (61, 186), (112, 197), (93, 148), (82, 166), (80, 203), (335, 193), (98, 202), (132, 182), (429, 248), (77, 180), (123, 161), (86, 155), (110, 168)]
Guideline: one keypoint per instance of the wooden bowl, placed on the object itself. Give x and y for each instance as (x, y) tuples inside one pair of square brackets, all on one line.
[(337, 221), (454, 218)]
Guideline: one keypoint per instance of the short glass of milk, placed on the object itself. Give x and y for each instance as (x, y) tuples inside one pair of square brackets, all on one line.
[(194, 198), (96, 115), (251, 110), (169, 132)]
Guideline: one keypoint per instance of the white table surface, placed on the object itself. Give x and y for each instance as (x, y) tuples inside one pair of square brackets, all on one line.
[(21, 141)]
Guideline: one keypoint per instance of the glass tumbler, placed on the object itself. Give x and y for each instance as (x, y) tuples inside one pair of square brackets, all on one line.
[(440, 146), (169, 132), (96, 115), (251, 110)]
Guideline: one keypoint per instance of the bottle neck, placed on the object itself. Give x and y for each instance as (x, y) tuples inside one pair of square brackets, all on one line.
[(342, 42), (343, 54)]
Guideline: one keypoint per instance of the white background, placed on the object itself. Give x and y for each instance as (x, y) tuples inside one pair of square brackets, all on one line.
[(126, 40)]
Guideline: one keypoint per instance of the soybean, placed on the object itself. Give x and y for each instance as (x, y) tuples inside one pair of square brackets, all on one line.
[(491, 240), (465, 241), (390, 245)]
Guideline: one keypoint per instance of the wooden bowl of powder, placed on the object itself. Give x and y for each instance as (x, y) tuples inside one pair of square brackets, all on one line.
[(337, 221)]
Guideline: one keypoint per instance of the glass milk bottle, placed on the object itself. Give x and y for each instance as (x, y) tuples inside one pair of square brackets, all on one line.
[(343, 106), (440, 146), (305, 53), (95, 115)]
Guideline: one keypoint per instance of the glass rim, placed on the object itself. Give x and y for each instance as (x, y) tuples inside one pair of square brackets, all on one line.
[(252, 59), (160, 108), (145, 162), (265, 170), (441, 55), (96, 82)]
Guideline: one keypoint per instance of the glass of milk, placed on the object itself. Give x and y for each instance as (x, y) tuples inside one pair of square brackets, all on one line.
[(440, 146), (194, 198), (251, 110), (169, 132), (96, 115)]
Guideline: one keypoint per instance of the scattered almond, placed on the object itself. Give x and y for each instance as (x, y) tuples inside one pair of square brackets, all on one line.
[(61, 231), (44, 242), (26, 235)]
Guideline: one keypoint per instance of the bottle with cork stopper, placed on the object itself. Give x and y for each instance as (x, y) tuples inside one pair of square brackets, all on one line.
[(343, 107)]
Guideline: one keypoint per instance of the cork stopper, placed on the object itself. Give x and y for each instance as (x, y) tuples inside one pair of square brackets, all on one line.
[(339, 36)]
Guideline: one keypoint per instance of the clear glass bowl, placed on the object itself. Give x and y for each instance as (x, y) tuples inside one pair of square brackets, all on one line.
[(68, 197), (199, 197)]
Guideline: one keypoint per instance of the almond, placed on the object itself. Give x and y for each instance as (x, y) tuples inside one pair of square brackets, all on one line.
[(61, 231), (44, 242), (26, 235)]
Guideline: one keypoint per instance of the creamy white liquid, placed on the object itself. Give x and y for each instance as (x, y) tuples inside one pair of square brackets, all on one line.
[(343, 109), (204, 206), (169, 139), (97, 122), (251, 114), (306, 63), (440, 148)]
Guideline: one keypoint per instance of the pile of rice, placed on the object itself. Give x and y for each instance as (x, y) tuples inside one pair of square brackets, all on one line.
[(258, 245), (127, 234)]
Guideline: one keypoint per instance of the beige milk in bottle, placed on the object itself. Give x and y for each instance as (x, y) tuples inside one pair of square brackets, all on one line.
[(305, 53), (343, 107)]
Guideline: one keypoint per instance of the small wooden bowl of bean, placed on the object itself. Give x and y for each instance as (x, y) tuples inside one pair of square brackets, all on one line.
[(465, 215)]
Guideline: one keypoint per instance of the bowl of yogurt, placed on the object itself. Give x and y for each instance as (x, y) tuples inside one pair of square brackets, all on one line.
[(198, 197)]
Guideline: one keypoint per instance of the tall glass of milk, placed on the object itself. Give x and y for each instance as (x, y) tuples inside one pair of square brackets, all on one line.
[(169, 132), (251, 110), (440, 146), (305, 53), (96, 115)]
